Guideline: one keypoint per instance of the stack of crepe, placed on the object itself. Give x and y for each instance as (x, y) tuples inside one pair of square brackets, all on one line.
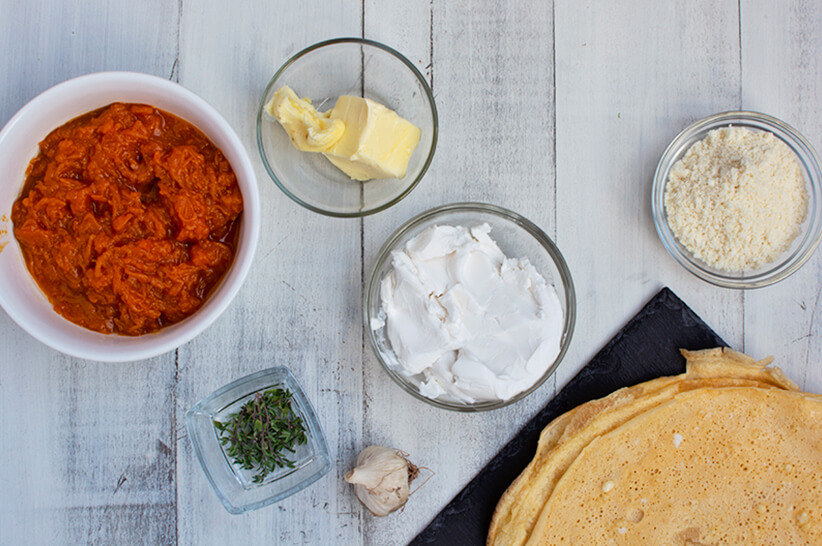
[(729, 452)]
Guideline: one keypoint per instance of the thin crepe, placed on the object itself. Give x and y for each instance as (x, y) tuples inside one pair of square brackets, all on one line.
[(566, 437)]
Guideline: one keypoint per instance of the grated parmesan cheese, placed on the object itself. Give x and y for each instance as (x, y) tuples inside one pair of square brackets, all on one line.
[(737, 199)]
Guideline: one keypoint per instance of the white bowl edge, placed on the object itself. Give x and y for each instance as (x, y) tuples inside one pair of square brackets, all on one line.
[(19, 140)]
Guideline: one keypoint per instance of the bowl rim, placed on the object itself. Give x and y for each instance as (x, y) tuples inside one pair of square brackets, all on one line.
[(429, 94), (384, 255), (805, 154), (233, 278)]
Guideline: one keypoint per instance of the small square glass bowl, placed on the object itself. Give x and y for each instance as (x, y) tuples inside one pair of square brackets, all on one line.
[(232, 484), (323, 72), (801, 249)]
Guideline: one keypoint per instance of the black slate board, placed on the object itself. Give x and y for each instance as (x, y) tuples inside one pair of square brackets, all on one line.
[(647, 347)]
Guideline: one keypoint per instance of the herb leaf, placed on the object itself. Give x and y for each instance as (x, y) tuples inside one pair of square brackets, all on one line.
[(265, 426)]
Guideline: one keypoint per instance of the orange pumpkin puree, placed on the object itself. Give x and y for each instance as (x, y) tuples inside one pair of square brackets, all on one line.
[(127, 218)]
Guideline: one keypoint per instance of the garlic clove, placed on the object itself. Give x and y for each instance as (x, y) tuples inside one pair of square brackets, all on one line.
[(382, 479)]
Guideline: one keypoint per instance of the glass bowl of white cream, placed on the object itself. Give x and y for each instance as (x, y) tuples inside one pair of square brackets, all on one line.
[(469, 307)]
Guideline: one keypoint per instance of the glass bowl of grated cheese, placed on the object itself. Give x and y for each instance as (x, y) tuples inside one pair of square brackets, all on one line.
[(737, 200)]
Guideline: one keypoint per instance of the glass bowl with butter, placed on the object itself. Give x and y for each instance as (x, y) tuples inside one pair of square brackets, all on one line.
[(469, 307), (347, 127)]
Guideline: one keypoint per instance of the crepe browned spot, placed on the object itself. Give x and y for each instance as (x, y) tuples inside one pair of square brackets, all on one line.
[(565, 438)]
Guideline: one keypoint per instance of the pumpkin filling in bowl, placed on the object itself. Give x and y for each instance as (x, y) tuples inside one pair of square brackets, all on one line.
[(128, 218)]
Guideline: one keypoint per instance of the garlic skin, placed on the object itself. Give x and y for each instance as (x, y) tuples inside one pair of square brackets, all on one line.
[(382, 479)]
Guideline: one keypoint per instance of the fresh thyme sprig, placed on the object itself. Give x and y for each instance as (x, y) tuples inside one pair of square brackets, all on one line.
[(258, 434)]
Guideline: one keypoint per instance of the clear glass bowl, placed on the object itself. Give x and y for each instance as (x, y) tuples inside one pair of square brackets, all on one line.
[(517, 237), (811, 230), (323, 72), (232, 484)]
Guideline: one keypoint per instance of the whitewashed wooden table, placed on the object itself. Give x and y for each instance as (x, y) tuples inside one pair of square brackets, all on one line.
[(557, 110)]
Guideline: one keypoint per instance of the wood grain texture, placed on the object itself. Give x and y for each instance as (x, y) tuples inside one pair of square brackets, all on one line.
[(625, 88), (94, 460), (45, 42), (299, 306), (781, 67), (556, 110)]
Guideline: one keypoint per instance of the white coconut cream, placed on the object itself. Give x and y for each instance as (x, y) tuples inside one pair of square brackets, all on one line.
[(466, 322)]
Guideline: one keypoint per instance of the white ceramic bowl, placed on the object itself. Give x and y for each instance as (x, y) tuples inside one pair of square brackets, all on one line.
[(20, 296)]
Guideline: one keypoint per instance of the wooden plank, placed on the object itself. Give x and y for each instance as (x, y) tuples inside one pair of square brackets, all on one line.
[(630, 76), (492, 75), (102, 453), (100, 450), (88, 455), (781, 66), (299, 306), (45, 42)]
